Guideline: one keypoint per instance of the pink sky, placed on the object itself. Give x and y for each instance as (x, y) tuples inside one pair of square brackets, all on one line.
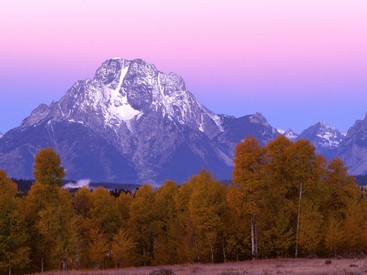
[(297, 62)]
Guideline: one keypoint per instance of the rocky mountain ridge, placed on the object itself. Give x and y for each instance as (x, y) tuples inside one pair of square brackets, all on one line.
[(132, 123)]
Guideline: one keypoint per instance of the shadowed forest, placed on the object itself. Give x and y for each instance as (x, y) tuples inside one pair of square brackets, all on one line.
[(285, 201)]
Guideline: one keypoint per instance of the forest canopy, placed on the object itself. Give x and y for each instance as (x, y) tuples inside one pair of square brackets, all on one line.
[(285, 201)]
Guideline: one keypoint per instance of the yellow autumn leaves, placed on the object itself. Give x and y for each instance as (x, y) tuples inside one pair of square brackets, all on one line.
[(285, 201)]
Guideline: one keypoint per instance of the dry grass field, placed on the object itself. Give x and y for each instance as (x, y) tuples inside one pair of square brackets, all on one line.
[(273, 266)]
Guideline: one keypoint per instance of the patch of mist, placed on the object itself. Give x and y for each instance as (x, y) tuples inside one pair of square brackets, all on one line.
[(79, 184)]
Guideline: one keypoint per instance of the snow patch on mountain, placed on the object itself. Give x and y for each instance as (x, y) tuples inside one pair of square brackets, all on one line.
[(289, 134), (329, 134), (119, 106)]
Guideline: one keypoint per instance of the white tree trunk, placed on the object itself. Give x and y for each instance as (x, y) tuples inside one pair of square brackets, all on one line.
[(253, 237), (298, 218)]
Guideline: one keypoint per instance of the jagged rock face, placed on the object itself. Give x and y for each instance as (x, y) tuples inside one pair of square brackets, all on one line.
[(353, 148), (130, 123), (234, 128), (324, 137)]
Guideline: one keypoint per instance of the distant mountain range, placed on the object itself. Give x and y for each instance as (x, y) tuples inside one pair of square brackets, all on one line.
[(132, 123)]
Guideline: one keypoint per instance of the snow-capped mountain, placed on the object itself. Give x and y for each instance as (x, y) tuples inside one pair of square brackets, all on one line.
[(1, 134), (133, 123), (130, 123), (324, 137)]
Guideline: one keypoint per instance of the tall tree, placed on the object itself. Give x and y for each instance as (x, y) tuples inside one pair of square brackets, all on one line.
[(302, 164), (187, 243), (57, 228), (47, 167), (143, 226), (248, 172), (14, 252), (123, 249), (98, 248), (104, 216), (82, 203), (206, 205), (50, 213), (236, 226), (165, 250)]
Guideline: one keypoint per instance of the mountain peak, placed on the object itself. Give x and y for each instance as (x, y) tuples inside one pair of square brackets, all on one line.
[(258, 118), (324, 136), (290, 134), (131, 122), (325, 125)]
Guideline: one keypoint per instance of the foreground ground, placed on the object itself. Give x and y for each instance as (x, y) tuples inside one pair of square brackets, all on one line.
[(273, 266)]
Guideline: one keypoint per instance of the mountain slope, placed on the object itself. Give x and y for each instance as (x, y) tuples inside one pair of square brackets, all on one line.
[(353, 148), (324, 137), (130, 123)]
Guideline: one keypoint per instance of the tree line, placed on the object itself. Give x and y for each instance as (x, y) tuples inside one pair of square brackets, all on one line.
[(285, 201)]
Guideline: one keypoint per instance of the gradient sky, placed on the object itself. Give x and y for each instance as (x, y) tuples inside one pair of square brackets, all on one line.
[(296, 61)]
